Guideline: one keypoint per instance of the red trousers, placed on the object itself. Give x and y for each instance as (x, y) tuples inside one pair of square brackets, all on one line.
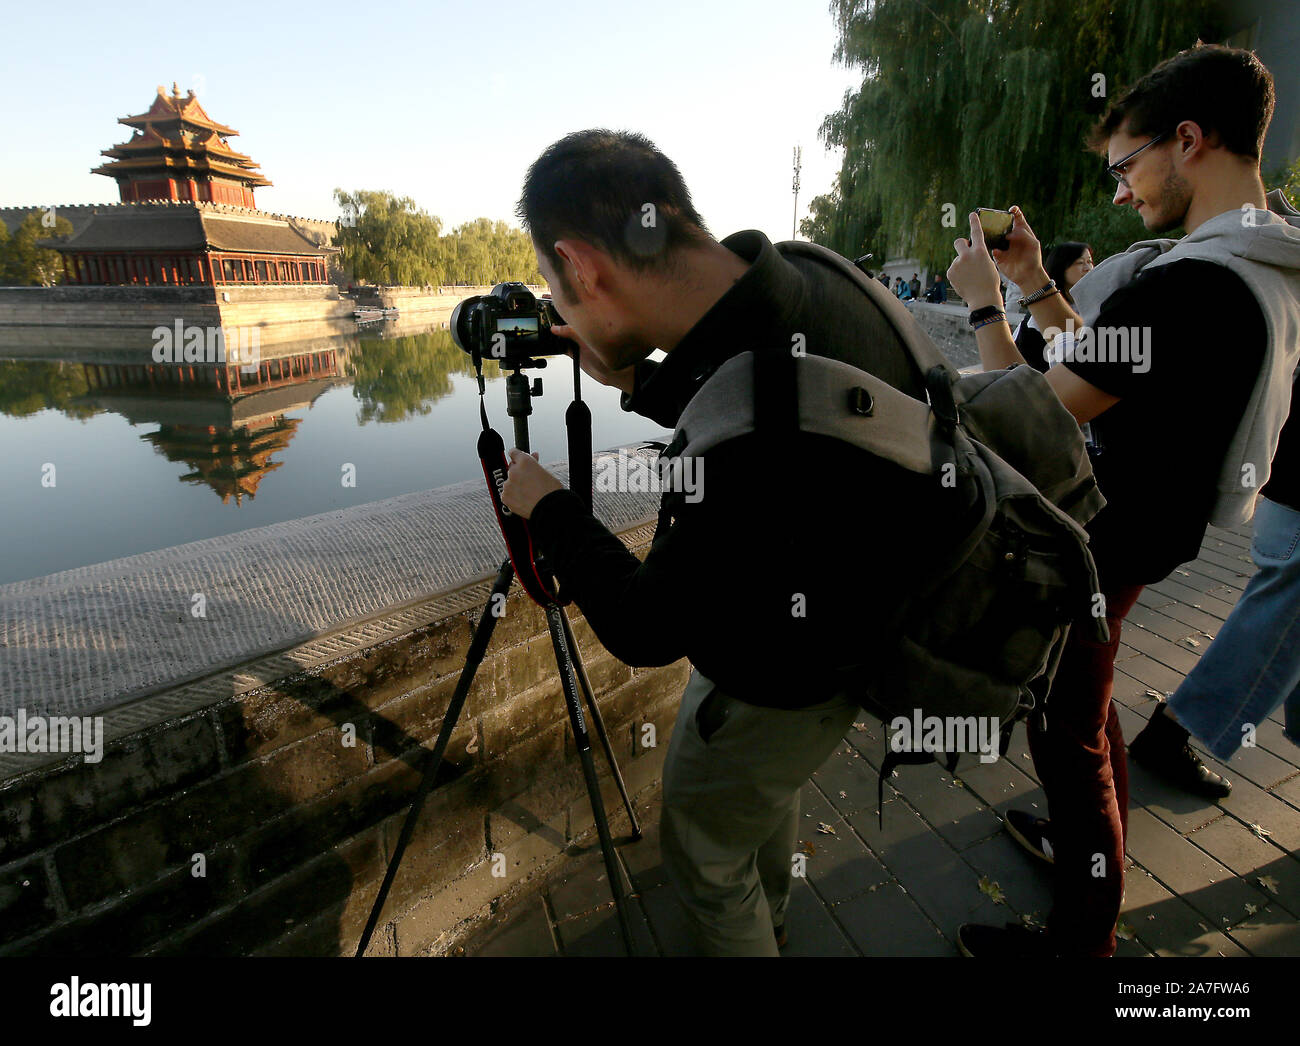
[(1079, 758)]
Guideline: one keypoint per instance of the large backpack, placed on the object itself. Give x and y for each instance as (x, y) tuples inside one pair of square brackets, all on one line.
[(982, 632)]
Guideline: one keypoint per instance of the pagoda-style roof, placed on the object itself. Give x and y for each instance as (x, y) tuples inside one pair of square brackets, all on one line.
[(231, 462), (187, 227), (174, 108), (152, 139), (177, 137)]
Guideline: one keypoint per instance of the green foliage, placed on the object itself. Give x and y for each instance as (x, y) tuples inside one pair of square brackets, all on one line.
[(982, 103), (22, 262), (397, 378), (853, 231), (1100, 224), (29, 388), (388, 240), (1288, 180)]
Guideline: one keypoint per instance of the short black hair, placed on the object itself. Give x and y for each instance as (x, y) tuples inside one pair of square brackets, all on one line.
[(1224, 90), (616, 191)]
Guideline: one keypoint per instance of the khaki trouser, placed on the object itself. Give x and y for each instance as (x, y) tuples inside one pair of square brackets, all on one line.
[(730, 824)]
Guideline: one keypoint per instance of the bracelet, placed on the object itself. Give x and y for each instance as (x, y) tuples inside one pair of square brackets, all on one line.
[(984, 313), (1001, 317), (1039, 295)]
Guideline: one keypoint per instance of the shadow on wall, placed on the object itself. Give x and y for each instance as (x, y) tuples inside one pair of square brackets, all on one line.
[(262, 825)]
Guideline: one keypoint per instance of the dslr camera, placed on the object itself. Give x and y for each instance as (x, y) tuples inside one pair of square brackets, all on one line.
[(510, 325)]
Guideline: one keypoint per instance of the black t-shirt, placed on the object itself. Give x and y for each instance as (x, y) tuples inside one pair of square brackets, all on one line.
[(1283, 486), (1031, 345), (1195, 344)]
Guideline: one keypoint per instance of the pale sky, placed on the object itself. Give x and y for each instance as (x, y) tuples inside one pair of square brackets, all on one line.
[(446, 102)]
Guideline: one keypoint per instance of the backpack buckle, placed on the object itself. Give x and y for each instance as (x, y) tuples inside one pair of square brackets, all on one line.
[(938, 386)]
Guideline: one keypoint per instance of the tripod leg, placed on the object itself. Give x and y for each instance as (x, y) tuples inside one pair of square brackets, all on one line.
[(564, 661), (473, 658), (600, 725)]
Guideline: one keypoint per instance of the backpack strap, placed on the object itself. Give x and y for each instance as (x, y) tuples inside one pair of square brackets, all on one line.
[(831, 398), (925, 354)]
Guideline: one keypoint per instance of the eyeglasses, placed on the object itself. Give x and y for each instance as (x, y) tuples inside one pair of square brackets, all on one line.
[(1122, 177)]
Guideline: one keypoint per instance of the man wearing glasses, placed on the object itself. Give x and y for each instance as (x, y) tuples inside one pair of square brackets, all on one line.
[(1186, 434)]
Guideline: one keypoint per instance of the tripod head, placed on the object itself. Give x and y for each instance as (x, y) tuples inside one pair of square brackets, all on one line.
[(519, 396)]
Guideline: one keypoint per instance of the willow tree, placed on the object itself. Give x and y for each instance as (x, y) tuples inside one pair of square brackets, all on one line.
[(387, 239), (23, 261), (967, 103)]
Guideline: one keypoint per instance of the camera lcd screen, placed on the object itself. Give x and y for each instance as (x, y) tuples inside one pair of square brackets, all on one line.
[(521, 324)]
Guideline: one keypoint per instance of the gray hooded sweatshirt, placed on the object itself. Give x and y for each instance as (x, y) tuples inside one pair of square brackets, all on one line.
[(1263, 248)]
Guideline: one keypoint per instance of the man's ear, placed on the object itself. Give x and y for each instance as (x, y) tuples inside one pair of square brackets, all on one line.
[(588, 266), (1191, 139)]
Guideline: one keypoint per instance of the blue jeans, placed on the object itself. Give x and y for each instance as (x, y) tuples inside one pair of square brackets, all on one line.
[(1253, 665)]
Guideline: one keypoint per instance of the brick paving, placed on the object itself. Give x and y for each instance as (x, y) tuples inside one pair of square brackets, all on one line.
[(1203, 878)]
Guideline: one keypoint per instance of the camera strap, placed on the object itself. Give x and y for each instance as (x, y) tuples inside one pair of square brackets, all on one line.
[(519, 540)]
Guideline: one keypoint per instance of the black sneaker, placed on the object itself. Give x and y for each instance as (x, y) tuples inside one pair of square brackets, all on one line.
[(1032, 833), (1165, 748), (1013, 941)]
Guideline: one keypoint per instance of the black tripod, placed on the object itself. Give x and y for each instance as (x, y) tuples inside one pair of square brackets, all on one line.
[(568, 660)]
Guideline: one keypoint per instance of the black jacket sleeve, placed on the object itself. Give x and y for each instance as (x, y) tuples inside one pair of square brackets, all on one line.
[(640, 611)]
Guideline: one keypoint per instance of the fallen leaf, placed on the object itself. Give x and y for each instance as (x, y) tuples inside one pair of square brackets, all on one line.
[(844, 795), (860, 726), (1153, 693), (1251, 909), (1268, 882), (825, 829), (1263, 833), (959, 783), (991, 889), (807, 847), (1123, 931), (1032, 921), (1191, 642)]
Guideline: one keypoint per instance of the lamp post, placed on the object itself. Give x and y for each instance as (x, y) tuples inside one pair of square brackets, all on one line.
[(794, 223)]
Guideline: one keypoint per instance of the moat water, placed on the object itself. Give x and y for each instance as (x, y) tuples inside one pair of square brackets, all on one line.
[(99, 463)]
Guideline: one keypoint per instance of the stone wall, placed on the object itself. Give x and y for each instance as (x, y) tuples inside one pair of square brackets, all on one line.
[(949, 328), (82, 320), (416, 300), (262, 824)]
